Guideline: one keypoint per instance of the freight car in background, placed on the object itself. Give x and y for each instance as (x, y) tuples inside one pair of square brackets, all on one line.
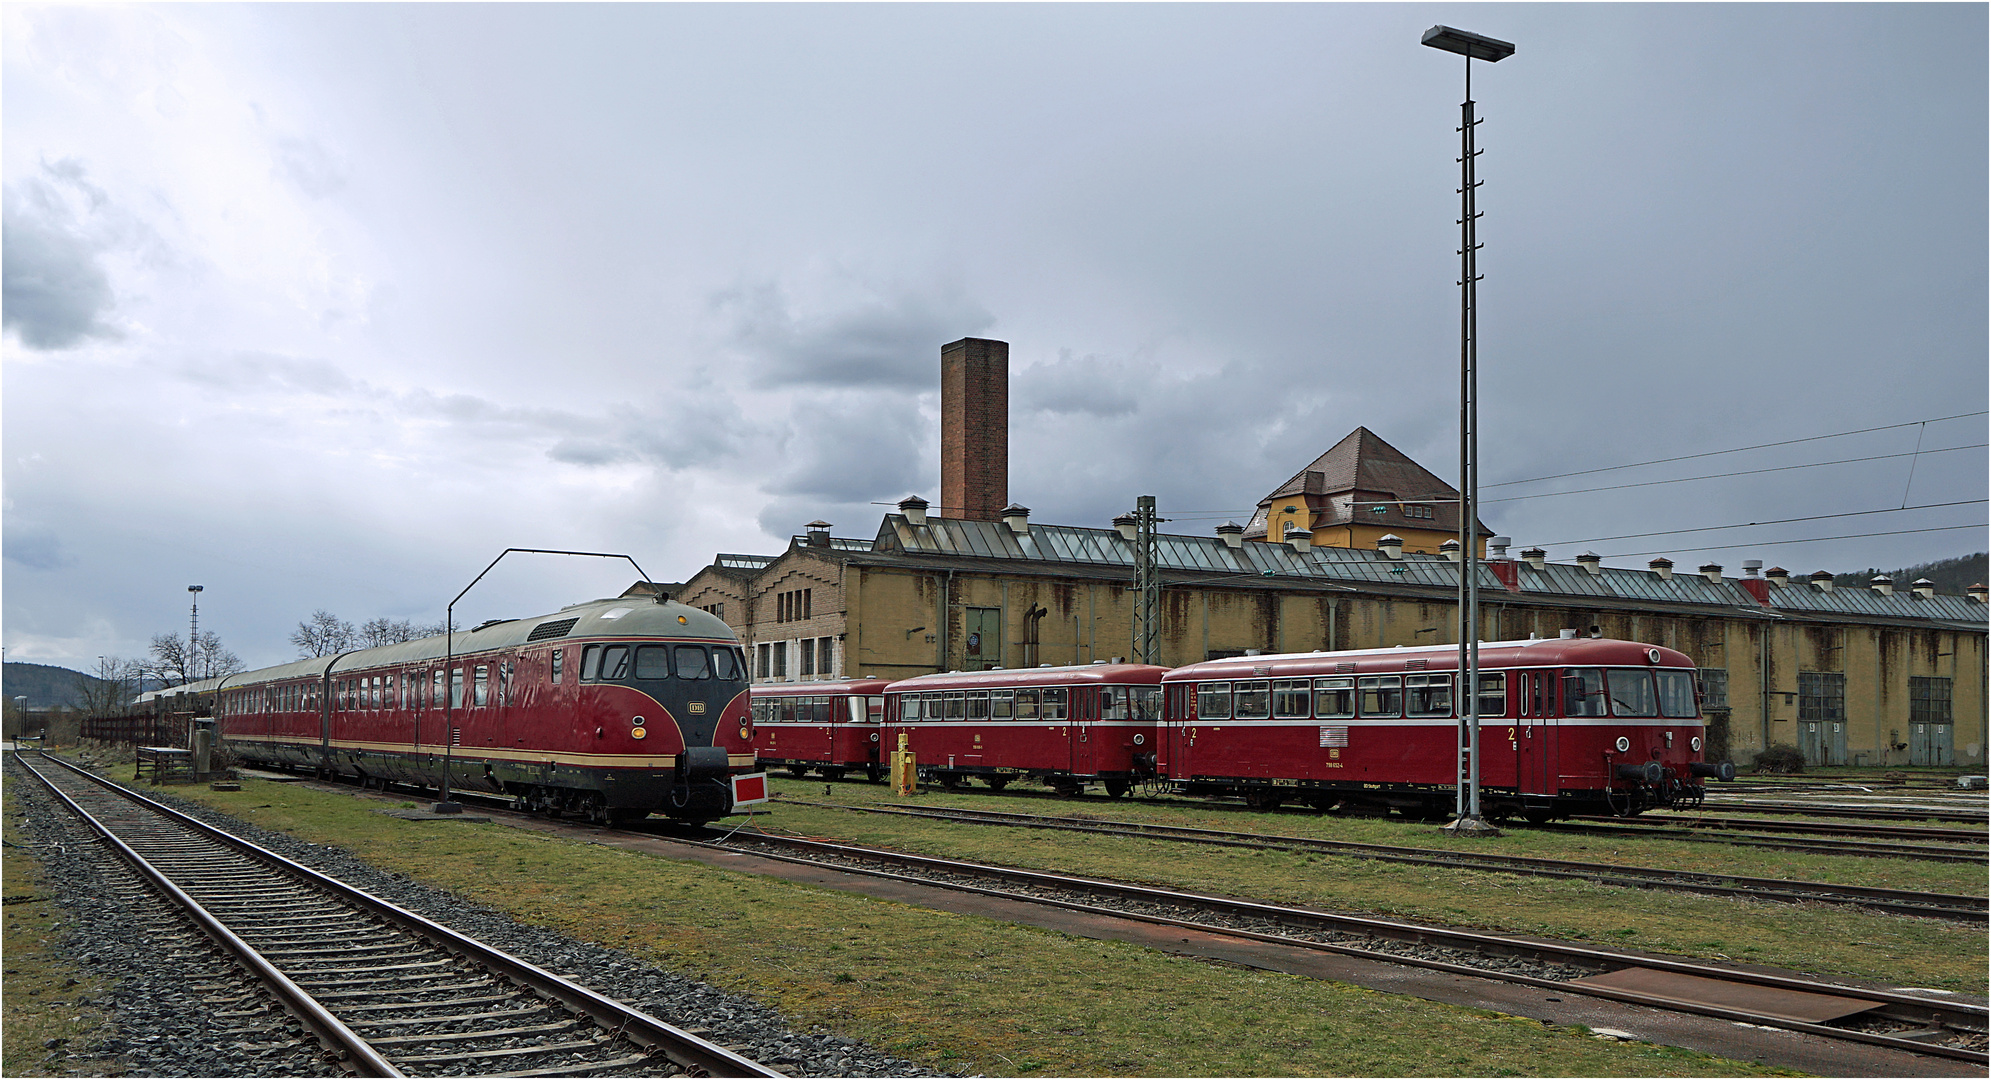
[(1066, 726), (1567, 726), (831, 727), (614, 709)]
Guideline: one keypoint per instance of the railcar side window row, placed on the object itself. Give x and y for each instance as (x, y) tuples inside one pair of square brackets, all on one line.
[(1032, 705), (1377, 697)]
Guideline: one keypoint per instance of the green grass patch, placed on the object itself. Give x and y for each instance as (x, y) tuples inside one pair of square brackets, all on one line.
[(954, 991)]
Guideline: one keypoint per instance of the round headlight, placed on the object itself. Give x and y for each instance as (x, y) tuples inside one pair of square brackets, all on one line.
[(1695, 742), (1624, 744), (745, 732), (1139, 739), (637, 732)]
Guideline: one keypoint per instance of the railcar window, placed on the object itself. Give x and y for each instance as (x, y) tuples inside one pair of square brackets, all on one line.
[(1213, 701), (728, 663), (693, 662), (908, 706), (1427, 695), (482, 691), (1493, 694), (1026, 704), (614, 663), (978, 704), (1113, 703), (1052, 704), (653, 662), (1147, 703), (1002, 704), (1676, 694), (558, 656), (590, 663), (456, 688), (1379, 696), (1334, 699), (874, 709), (819, 710), (1251, 700), (435, 689), (1290, 698), (1632, 693), (1583, 692)]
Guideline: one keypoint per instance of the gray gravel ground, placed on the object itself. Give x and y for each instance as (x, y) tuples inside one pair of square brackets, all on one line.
[(168, 1025)]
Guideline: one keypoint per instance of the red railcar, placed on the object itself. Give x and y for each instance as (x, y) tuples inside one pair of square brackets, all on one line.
[(615, 709), (1567, 725), (832, 727), (1066, 726)]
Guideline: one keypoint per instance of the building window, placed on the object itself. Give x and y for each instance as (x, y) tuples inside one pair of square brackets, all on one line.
[(806, 663), (718, 609), (1714, 687), (793, 606), (779, 652), (1821, 696), (1928, 700)]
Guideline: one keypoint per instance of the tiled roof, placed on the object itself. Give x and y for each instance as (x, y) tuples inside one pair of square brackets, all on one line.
[(1095, 549), (1362, 467)]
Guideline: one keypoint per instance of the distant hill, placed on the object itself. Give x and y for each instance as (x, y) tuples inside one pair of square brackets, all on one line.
[(44, 685), (1951, 576)]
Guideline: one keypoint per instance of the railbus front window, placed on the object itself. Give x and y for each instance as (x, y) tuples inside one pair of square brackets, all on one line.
[(1147, 703), (874, 709), (1583, 692), (1113, 703), (1676, 694), (1632, 693)]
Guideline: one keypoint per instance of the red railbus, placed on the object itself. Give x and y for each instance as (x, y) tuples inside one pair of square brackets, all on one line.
[(1067, 726), (832, 727), (1567, 726)]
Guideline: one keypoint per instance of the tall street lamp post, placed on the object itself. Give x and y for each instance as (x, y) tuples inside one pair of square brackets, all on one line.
[(193, 633), (1473, 47)]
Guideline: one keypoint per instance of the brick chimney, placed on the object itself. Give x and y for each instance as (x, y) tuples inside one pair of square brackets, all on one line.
[(974, 429)]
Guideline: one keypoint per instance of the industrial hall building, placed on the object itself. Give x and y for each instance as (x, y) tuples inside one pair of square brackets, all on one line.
[(1878, 676)]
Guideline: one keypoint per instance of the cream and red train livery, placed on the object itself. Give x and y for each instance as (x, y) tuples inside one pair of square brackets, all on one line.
[(1567, 726), (613, 708)]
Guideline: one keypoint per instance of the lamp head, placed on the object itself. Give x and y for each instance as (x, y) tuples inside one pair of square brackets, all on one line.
[(1468, 44)]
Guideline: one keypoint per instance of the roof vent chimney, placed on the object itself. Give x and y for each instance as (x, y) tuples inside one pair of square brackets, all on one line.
[(1979, 593), (1823, 579), (1535, 557), (1882, 584), (1924, 589), (1712, 571), (914, 508), (1231, 533), (1751, 567), (1451, 550), (1017, 518), (819, 533), (1663, 567), (1497, 546), (1128, 525), (1592, 563), (1778, 576), (1568, 633), (1391, 545), (1302, 540)]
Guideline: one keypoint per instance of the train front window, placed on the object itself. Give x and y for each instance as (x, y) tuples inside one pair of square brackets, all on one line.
[(1676, 694), (1147, 703), (1213, 701), (728, 663), (1334, 699), (1112, 703), (692, 662), (653, 662), (1632, 693), (1583, 692)]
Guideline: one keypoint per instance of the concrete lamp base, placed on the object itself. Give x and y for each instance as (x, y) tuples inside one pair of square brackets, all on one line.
[(446, 808)]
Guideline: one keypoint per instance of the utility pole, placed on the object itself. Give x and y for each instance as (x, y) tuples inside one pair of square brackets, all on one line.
[(1147, 583), (193, 635)]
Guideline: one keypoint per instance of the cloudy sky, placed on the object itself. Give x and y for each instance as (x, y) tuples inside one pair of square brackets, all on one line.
[(323, 306)]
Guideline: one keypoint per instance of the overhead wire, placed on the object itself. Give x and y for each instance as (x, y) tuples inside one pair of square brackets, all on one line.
[(1754, 524), (1740, 472), (1804, 540)]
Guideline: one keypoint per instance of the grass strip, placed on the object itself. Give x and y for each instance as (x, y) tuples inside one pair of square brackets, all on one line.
[(958, 992)]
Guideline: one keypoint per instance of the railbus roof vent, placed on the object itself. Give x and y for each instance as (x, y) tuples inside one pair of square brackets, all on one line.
[(552, 628)]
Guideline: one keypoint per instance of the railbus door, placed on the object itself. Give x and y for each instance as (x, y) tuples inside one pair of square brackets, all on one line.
[(1085, 711), (1534, 742)]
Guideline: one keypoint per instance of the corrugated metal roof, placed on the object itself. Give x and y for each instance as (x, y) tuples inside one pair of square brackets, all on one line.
[(1105, 548)]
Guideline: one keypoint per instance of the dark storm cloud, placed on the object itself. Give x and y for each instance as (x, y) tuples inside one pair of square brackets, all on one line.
[(884, 341), (856, 448), (698, 426), (55, 293), (1086, 384)]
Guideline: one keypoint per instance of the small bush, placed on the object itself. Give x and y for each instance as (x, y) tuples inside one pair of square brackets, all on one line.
[(1780, 758)]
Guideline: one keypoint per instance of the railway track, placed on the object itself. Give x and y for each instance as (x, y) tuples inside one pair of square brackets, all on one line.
[(1915, 1022), (1821, 838), (1893, 901), (386, 992), (1975, 815)]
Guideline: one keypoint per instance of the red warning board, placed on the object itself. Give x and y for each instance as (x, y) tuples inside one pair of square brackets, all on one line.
[(749, 788)]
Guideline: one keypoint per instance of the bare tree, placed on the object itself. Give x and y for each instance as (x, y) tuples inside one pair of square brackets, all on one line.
[(324, 634), (110, 690), (175, 662), (386, 632)]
